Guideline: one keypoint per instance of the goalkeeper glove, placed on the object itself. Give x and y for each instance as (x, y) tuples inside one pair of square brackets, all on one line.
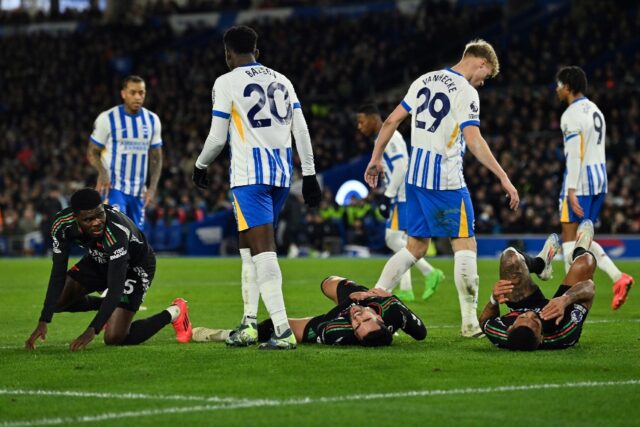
[(199, 178), (311, 191)]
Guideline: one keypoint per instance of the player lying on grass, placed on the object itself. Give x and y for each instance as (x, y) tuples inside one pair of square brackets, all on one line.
[(118, 259), (361, 317), (535, 322)]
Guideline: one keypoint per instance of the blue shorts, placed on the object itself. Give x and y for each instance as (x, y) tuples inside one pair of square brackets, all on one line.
[(591, 205), (439, 213), (398, 218), (255, 205), (131, 206)]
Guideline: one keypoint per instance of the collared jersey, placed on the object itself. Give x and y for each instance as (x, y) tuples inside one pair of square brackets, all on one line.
[(583, 123), (396, 155), (126, 140), (259, 103), (442, 103)]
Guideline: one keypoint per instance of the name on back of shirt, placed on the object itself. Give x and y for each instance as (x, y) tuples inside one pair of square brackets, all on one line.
[(256, 71), (443, 78)]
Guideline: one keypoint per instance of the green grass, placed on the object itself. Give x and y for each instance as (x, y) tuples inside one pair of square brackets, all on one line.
[(608, 351)]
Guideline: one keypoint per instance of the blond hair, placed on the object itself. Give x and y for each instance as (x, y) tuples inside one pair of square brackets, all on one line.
[(481, 49)]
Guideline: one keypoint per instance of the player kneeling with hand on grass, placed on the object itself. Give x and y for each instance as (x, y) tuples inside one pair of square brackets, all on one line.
[(361, 317), (118, 259)]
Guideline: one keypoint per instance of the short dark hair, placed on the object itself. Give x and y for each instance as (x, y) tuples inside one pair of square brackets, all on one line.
[(241, 39), (381, 337), (522, 338), (85, 199), (369, 110), (574, 77), (132, 79)]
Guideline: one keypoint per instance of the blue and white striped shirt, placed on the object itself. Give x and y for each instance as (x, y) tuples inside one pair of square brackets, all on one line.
[(126, 140)]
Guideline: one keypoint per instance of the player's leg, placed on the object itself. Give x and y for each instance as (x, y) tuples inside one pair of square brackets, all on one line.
[(338, 289), (396, 240), (621, 282), (457, 210), (257, 209), (135, 210), (583, 262), (121, 330), (74, 298), (250, 289), (417, 242), (85, 277), (467, 281)]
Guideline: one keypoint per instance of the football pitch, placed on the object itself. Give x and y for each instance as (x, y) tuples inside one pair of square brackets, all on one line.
[(443, 381)]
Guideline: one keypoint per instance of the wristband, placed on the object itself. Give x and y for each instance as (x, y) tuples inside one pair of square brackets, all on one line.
[(492, 300)]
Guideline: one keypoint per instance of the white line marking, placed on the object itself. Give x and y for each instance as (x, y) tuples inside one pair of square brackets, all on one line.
[(135, 396), (247, 403)]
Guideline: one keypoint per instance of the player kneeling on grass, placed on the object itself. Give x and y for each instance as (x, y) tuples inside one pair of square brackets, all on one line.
[(535, 322), (118, 259), (361, 317)]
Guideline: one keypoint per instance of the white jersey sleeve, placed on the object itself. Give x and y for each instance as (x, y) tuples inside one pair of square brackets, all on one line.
[(156, 138), (101, 130), (220, 114), (466, 109), (301, 135), (573, 150), (395, 168)]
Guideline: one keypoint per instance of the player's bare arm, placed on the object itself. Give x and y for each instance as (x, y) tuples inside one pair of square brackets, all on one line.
[(390, 125), (500, 295), (104, 182), (580, 293), (155, 168), (575, 204), (480, 149)]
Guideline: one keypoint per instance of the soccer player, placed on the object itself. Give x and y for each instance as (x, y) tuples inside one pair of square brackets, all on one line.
[(535, 322), (361, 317), (126, 143), (118, 260), (393, 206), (259, 110), (584, 187), (445, 111)]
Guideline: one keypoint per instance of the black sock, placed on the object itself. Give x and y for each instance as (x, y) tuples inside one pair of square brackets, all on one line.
[(265, 329), (535, 265), (85, 303), (142, 330), (578, 251)]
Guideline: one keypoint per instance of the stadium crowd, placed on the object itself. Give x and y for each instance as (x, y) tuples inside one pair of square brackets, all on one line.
[(51, 100)]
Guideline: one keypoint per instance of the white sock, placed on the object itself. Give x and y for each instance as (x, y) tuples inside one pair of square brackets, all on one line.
[(465, 275), (604, 262), (395, 239), (405, 281), (269, 279), (395, 268), (567, 253), (250, 289), (174, 311), (424, 267)]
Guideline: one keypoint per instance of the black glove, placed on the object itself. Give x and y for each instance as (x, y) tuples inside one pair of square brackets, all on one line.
[(384, 206), (311, 191), (199, 178)]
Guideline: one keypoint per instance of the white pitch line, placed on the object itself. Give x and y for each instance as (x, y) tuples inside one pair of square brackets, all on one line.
[(127, 396), (311, 400)]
